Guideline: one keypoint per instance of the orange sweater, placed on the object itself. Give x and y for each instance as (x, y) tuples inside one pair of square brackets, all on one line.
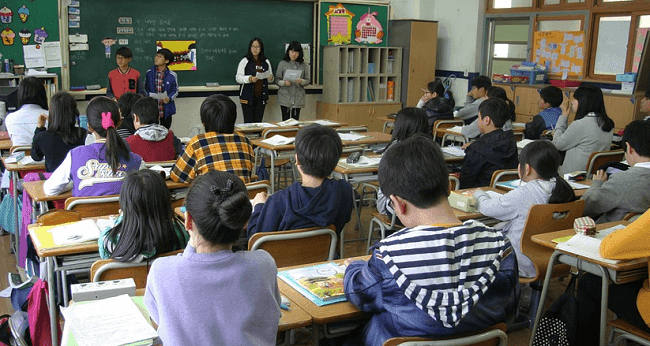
[(630, 243)]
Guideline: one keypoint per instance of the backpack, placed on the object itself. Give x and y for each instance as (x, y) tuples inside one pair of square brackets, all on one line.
[(559, 325)]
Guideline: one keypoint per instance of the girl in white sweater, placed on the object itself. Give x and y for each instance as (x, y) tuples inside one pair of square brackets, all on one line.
[(540, 184)]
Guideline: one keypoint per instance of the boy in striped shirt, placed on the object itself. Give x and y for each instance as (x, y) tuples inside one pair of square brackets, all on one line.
[(438, 276)]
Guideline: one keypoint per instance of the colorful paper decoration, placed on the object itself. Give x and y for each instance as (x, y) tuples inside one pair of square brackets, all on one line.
[(108, 42), (7, 36), (563, 51), (339, 25), (369, 29), (25, 34), (40, 35), (6, 15), (184, 54), (23, 13)]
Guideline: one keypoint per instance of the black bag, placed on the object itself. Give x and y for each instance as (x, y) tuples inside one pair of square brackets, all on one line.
[(5, 333), (559, 324)]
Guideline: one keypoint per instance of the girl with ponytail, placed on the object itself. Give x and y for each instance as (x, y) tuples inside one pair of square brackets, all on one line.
[(540, 184), (211, 290), (99, 168)]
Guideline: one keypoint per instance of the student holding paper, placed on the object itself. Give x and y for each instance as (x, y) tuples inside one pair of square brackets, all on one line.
[(254, 74), (293, 76), (161, 83)]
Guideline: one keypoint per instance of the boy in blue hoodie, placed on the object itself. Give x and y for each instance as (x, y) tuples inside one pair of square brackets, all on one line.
[(160, 79), (316, 201), (550, 99)]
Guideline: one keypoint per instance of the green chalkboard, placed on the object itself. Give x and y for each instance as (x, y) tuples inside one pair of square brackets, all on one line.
[(42, 14), (222, 30)]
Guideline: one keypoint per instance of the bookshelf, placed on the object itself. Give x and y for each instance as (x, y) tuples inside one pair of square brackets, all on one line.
[(360, 83)]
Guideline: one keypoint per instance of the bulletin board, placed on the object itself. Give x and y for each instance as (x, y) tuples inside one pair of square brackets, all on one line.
[(354, 24), (564, 51)]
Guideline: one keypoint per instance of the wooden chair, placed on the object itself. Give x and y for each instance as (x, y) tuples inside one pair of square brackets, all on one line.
[(109, 269), (283, 166), (295, 247), (545, 218), (626, 331), (58, 216), (258, 186), (94, 206), (519, 136), (631, 217), (386, 223), (599, 158), (493, 336), (26, 148), (503, 175), (444, 124)]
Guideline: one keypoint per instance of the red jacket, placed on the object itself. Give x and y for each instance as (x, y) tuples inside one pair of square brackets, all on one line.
[(153, 151)]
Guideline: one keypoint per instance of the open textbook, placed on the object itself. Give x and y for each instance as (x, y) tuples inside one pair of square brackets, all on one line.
[(322, 284), (589, 247)]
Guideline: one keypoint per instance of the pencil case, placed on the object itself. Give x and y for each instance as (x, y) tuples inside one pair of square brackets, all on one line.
[(584, 225)]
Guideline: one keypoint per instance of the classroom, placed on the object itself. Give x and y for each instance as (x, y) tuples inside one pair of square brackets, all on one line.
[(301, 147)]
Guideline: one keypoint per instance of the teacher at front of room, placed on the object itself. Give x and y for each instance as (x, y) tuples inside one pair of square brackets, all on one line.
[(254, 74)]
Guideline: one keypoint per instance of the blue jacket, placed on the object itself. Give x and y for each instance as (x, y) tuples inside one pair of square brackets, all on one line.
[(302, 207), (372, 288), (170, 85)]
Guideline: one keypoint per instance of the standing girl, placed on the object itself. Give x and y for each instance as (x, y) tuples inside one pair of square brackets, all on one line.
[(62, 133), (438, 103), (291, 95), (254, 92), (99, 168), (147, 226), (32, 102), (540, 184), (590, 131), (246, 310)]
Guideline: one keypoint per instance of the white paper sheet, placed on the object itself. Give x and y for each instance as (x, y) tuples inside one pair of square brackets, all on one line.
[(78, 38), (73, 233), (263, 75), (289, 122), (159, 96), (292, 75), (524, 142), (52, 54), (108, 322), (456, 129), (454, 151), (350, 136), (584, 246), (325, 122), (34, 57), (365, 161), (279, 140)]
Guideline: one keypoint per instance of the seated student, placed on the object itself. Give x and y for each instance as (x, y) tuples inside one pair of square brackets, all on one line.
[(152, 141), (211, 295), (314, 201), (61, 135), (125, 102), (99, 168), (475, 97), (591, 130), (32, 102), (220, 148), (437, 102), (495, 149), (146, 226), (550, 99), (471, 131), (626, 191), (481, 283), (408, 122), (629, 301), (538, 164)]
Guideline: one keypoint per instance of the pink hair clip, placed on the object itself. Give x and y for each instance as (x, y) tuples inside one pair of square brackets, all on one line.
[(107, 120)]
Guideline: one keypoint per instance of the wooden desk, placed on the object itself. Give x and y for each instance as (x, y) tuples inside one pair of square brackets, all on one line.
[(294, 318), (253, 132), (321, 314), (464, 216), (5, 144), (388, 123), (579, 192), (624, 271)]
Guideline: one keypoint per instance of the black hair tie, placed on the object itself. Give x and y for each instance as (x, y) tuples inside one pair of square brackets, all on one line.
[(222, 193)]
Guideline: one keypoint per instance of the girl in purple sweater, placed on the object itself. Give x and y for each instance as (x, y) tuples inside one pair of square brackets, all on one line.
[(211, 295)]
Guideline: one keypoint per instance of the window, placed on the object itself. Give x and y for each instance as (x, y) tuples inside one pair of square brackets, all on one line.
[(559, 24), (508, 45), (611, 45), (502, 4)]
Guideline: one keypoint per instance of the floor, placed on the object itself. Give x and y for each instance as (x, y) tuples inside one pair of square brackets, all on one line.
[(355, 246)]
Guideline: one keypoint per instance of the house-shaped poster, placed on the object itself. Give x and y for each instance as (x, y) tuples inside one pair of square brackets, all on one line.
[(339, 25)]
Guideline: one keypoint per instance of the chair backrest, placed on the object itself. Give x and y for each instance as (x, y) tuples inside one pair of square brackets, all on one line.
[(454, 183), (57, 216), (545, 218), (503, 175), (631, 216), (258, 186), (109, 269), (519, 136), (493, 336), (444, 124), (599, 158), (18, 324), (297, 247), (349, 129), (287, 132), (455, 138), (94, 206), (26, 148)]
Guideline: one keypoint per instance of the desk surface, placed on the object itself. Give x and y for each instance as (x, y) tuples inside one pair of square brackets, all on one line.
[(579, 192), (15, 167), (321, 314), (35, 190), (41, 236), (5, 144), (259, 129), (546, 239), (371, 138), (464, 216)]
